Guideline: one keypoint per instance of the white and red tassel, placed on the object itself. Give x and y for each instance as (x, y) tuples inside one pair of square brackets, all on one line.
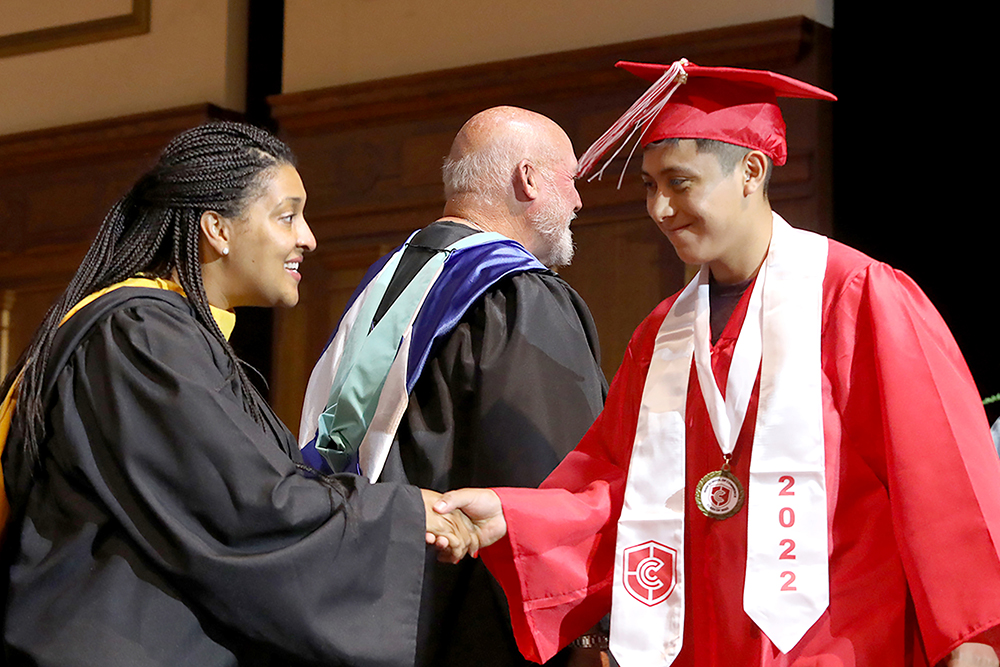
[(638, 116)]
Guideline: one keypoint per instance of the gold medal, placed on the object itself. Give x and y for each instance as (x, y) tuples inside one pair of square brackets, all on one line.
[(719, 494)]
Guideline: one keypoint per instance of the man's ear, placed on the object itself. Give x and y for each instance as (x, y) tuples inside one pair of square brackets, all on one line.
[(526, 183), (754, 172), (216, 231)]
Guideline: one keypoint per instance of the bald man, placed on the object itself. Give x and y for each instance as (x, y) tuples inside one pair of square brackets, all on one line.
[(465, 360)]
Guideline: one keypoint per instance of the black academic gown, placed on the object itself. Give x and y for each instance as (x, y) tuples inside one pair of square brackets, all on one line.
[(500, 402), (165, 527)]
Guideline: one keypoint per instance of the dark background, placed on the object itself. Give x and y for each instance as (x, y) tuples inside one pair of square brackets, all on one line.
[(913, 177)]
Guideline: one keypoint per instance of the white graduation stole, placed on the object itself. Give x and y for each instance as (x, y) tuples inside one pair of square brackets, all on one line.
[(787, 575)]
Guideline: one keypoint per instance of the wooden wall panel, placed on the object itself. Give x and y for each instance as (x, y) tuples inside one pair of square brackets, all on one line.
[(370, 155)]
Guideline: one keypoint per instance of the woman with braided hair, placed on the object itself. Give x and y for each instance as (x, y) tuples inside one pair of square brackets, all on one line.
[(159, 512)]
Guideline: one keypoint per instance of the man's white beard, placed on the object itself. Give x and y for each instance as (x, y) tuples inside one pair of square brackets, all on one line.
[(556, 248)]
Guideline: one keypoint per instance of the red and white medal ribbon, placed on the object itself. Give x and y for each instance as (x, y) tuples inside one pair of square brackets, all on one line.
[(787, 581), (727, 414)]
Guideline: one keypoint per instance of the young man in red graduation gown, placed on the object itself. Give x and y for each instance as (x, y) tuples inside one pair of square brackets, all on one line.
[(793, 466)]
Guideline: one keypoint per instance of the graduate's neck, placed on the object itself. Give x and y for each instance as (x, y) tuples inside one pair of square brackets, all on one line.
[(727, 274), (747, 254)]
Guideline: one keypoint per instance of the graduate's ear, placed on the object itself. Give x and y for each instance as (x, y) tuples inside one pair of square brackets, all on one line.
[(216, 231), (754, 168), (526, 181)]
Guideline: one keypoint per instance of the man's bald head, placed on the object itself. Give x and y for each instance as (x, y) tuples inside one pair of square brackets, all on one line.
[(512, 171), (488, 148)]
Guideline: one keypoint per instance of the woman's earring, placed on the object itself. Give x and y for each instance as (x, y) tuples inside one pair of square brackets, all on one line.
[(225, 251)]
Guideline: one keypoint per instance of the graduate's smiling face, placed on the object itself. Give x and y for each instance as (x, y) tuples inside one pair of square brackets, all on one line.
[(700, 208), (257, 255)]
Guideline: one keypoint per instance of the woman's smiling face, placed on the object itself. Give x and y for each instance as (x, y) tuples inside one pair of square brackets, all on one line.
[(267, 244)]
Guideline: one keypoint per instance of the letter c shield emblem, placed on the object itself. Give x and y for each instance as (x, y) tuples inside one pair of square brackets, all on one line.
[(650, 572)]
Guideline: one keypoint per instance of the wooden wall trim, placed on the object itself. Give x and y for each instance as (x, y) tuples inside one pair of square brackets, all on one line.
[(551, 77), (103, 139)]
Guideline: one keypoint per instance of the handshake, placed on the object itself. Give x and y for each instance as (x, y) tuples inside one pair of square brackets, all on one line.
[(462, 521)]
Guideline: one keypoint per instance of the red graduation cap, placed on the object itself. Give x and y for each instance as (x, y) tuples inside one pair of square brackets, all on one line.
[(737, 106)]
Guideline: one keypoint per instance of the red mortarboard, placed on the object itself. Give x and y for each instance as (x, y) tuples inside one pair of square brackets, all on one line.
[(737, 106)]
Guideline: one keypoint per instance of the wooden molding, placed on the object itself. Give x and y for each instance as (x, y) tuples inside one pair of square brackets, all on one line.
[(103, 139), (135, 22)]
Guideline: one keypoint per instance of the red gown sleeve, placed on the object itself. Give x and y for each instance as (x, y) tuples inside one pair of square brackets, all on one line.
[(929, 439), (557, 561)]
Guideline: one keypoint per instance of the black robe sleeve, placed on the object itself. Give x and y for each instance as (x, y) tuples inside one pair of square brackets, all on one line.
[(169, 524), (506, 396)]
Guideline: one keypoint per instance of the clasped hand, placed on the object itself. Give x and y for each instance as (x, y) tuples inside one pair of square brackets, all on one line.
[(463, 521)]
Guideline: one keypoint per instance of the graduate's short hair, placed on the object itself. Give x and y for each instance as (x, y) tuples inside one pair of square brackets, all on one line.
[(728, 155), (155, 230)]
